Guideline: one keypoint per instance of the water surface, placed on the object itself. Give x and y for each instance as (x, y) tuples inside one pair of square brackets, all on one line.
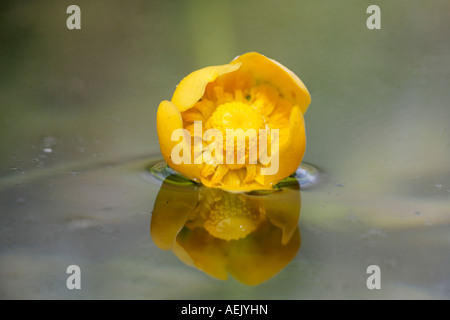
[(77, 131)]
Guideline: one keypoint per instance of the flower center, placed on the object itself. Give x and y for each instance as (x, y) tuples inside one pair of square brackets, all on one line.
[(235, 115), (231, 219), (245, 122)]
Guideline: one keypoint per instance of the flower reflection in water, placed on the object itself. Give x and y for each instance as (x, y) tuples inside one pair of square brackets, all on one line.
[(251, 236)]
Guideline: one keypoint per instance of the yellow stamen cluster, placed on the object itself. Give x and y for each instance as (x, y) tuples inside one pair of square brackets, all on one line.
[(235, 109), (231, 217), (235, 115)]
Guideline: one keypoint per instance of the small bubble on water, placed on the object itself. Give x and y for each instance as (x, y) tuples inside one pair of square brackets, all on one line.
[(48, 150), (82, 223), (373, 233), (21, 200), (49, 141), (352, 218), (438, 186)]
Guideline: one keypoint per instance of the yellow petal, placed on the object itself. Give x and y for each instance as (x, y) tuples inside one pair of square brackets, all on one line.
[(283, 209), (192, 88), (168, 119), (264, 69), (290, 153), (197, 247), (258, 258), (171, 210)]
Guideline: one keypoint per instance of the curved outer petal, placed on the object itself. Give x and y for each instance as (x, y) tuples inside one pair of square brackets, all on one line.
[(258, 258), (171, 210), (168, 119), (199, 249), (192, 88), (291, 153), (283, 209), (263, 68)]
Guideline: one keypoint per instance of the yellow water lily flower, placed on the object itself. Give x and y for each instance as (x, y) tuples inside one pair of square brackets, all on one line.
[(259, 101), (249, 236)]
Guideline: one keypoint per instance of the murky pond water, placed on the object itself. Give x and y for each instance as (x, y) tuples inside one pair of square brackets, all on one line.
[(77, 134)]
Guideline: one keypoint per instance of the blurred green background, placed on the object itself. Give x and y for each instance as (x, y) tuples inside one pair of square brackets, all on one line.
[(378, 128)]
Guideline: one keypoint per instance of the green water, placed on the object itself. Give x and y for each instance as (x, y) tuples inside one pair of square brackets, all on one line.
[(77, 131)]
